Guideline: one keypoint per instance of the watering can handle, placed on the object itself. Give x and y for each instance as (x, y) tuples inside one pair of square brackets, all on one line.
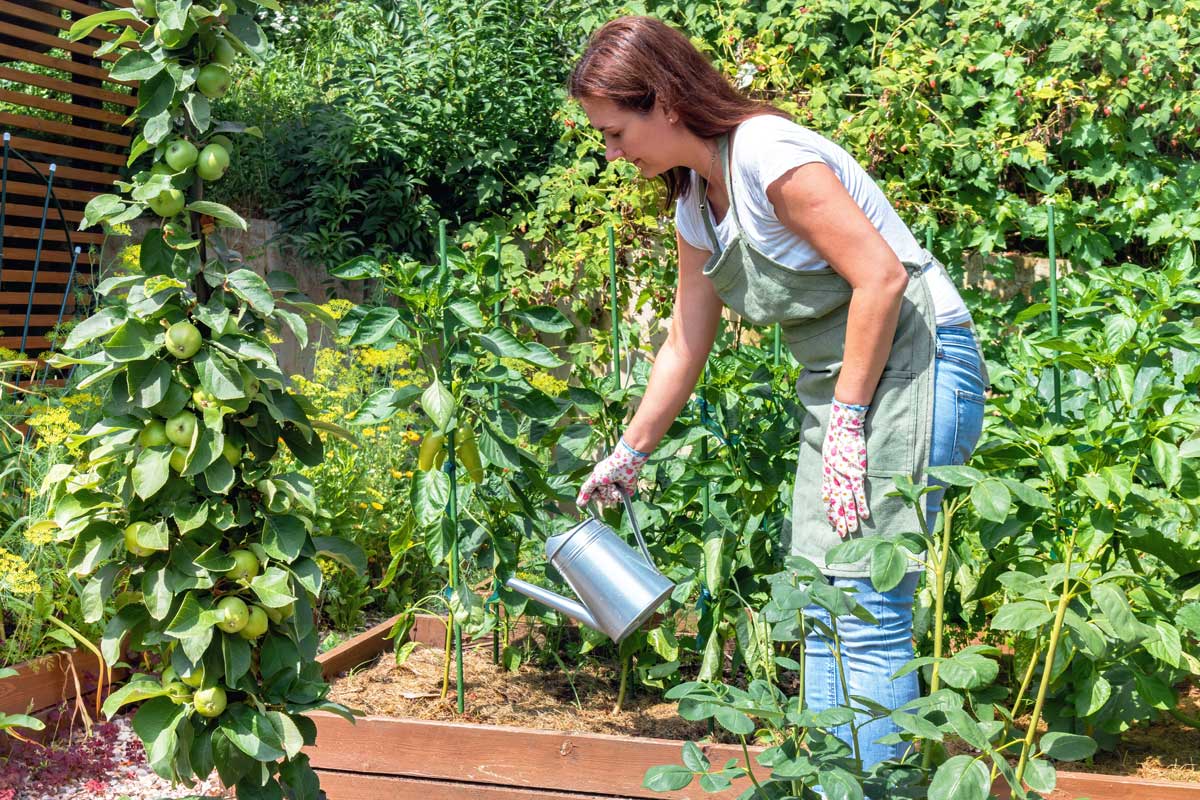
[(637, 530)]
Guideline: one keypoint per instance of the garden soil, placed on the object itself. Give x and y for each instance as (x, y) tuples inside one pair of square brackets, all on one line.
[(582, 701), (533, 697), (1166, 750)]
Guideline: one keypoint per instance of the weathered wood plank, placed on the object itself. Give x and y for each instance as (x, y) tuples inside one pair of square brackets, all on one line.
[(30, 212), (82, 48), (44, 682), (54, 254), (47, 277), (356, 786), (59, 85), (504, 756), (7, 321), (31, 123), (59, 107), (60, 64), (83, 9), (38, 190), (96, 177), (54, 233), (92, 156), (42, 18)]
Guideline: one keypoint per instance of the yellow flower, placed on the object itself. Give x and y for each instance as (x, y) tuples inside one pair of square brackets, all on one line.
[(54, 426), (81, 401), (362, 505), (545, 382), (368, 432), (377, 506), (374, 358), (397, 474), (38, 535), (15, 575), (337, 308)]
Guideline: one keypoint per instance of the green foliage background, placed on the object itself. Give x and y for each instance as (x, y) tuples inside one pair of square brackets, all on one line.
[(968, 115)]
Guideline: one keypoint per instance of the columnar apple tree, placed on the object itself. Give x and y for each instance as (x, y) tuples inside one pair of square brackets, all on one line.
[(186, 532)]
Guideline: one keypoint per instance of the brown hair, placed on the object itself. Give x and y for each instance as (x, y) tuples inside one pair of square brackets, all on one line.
[(635, 61)]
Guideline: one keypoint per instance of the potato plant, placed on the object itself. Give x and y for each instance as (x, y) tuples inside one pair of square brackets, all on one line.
[(184, 531)]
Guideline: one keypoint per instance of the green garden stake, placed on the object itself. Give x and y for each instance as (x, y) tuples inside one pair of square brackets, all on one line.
[(1053, 300), (496, 405), (616, 330), (930, 228), (452, 508), (778, 347)]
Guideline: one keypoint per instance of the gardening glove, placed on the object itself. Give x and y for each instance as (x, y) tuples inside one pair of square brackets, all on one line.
[(616, 473), (844, 461)]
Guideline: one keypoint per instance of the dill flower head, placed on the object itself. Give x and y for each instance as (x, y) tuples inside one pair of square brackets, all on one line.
[(54, 426), (16, 577)]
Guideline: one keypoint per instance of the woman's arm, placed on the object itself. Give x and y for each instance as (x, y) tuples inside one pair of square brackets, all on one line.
[(680, 360), (811, 202)]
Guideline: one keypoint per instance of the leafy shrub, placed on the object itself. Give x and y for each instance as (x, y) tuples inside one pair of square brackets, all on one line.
[(439, 110)]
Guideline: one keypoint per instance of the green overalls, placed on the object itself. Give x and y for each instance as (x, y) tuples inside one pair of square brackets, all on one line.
[(811, 308)]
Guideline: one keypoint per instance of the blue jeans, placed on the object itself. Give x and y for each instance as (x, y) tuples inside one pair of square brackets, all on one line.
[(873, 653)]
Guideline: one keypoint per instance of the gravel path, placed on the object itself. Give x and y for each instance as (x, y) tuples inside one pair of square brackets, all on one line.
[(111, 765)]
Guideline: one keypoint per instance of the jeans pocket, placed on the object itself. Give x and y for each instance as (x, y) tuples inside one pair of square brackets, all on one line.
[(968, 424)]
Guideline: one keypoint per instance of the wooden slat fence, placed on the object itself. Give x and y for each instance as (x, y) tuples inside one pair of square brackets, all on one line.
[(59, 106)]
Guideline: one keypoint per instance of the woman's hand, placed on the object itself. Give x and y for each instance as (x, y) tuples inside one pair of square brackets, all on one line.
[(617, 472), (845, 467)]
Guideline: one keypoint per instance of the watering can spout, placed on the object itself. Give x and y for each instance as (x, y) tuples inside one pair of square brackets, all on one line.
[(566, 605)]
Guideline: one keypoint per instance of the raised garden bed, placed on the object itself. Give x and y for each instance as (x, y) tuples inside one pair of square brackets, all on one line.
[(48, 687), (406, 758)]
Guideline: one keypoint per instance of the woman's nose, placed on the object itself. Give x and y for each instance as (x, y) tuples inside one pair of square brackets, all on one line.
[(612, 153)]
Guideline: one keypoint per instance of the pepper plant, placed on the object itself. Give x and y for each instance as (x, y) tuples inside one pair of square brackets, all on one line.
[(186, 535), (1083, 538)]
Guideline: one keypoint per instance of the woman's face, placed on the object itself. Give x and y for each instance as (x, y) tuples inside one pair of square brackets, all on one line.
[(648, 140)]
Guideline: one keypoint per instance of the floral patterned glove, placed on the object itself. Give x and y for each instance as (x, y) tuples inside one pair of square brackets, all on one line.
[(844, 456), (617, 472)]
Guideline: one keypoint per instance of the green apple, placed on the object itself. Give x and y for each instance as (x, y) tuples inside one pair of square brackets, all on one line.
[(168, 202), (222, 140), (245, 565), (232, 453), (181, 154), (174, 39), (154, 434), (178, 692), (256, 626), (278, 615), (203, 399), (234, 614), (131, 542), (210, 702), (181, 428), (212, 163), (179, 459), (223, 52), (183, 339), (195, 680), (213, 81), (147, 8)]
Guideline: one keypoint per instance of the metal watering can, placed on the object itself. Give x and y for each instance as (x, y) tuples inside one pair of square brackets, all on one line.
[(619, 588)]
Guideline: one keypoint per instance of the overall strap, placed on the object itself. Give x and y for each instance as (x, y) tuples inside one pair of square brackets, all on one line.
[(723, 149)]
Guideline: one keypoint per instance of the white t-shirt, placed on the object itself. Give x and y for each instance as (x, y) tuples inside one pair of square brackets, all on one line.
[(764, 148)]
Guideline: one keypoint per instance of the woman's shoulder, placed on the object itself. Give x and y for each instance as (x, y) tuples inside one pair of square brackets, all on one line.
[(772, 126)]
